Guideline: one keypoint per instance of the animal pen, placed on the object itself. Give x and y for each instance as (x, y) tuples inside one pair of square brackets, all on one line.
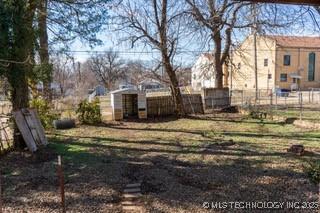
[(123, 104)]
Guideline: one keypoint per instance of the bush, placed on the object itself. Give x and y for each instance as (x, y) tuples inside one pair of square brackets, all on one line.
[(313, 171), (89, 112), (44, 111)]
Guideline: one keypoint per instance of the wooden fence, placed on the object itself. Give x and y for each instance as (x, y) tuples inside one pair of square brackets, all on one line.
[(164, 105)]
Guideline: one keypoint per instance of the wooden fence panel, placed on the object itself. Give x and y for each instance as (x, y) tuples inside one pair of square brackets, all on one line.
[(164, 105)]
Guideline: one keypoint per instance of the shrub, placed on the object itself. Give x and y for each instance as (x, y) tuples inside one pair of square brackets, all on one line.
[(44, 111), (89, 112), (313, 171)]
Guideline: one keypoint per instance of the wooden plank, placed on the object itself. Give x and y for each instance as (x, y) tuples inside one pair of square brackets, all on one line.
[(24, 130), (29, 119), (39, 127)]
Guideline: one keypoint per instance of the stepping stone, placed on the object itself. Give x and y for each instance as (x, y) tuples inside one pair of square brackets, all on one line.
[(133, 185), (128, 203), (132, 195), (137, 208), (132, 190)]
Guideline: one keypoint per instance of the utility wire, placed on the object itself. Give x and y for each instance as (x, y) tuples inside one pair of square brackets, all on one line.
[(289, 49)]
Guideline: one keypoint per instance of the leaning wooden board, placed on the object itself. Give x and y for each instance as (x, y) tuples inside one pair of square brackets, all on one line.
[(32, 126), (24, 130), (39, 126)]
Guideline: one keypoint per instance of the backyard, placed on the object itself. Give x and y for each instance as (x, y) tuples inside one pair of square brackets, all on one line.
[(180, 162)]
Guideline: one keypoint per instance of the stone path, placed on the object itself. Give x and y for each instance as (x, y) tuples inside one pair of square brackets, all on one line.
[(131, 195)]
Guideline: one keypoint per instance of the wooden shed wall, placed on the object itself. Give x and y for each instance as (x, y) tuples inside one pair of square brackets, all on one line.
[(106, 108)]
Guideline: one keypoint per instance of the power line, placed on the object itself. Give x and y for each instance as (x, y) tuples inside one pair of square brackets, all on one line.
[(286, 49)]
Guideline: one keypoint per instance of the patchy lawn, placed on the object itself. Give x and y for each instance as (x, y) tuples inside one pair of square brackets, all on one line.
[(181, 163)]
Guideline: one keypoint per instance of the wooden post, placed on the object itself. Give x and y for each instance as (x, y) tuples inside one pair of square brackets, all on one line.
[(0, 192), (61, 184)]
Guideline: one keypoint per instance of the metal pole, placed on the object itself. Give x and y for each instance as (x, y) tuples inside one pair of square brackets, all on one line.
[(61, 183), (254, 14), (212, 104), (300, 106), (271, 106), (242, 98)]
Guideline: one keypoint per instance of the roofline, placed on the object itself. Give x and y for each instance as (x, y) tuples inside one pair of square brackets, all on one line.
[(273, 37), (301, 47)]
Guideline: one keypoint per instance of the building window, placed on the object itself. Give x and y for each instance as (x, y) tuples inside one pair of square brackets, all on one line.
[(294, 80), (269, 76), (312, 66), (194, 76), (283, 77), (265, 62), (239, 66), (286, 60)]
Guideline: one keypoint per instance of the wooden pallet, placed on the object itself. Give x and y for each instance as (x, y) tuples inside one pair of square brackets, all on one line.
[(31, 129)]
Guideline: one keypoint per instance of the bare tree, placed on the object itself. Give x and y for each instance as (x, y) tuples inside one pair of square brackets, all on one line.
[(156, 24), (62, 74), (219, 18), (108, 68), (136, 71)]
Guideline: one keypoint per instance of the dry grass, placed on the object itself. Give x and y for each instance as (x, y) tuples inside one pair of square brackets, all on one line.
[(181, 164)]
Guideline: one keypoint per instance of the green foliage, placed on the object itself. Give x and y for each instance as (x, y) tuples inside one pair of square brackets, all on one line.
[(42, 73), (313, 171), (89, 113), (45, 113)]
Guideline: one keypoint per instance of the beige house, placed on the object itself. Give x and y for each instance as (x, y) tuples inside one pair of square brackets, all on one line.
[(288, 62)]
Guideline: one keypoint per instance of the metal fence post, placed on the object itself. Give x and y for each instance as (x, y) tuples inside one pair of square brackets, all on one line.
[(61, 183), (312, 95), (211, 103), (300, 105), (242, 98), (285, 104), (309, 96)]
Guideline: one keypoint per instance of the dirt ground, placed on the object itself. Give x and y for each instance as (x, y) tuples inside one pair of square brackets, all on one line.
[(181, 164)]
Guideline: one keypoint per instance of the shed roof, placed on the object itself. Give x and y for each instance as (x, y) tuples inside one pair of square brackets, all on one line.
[(124, 91)]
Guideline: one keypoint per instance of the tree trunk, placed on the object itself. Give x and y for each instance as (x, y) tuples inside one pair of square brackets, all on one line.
[(217, 60), (44, 50), (176, 93), (22, 50)]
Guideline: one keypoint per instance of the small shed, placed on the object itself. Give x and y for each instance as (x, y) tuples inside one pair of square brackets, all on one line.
[(125, 104)]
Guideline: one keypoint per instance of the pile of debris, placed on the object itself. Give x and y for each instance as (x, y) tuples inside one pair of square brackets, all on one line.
[(296, 149)]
